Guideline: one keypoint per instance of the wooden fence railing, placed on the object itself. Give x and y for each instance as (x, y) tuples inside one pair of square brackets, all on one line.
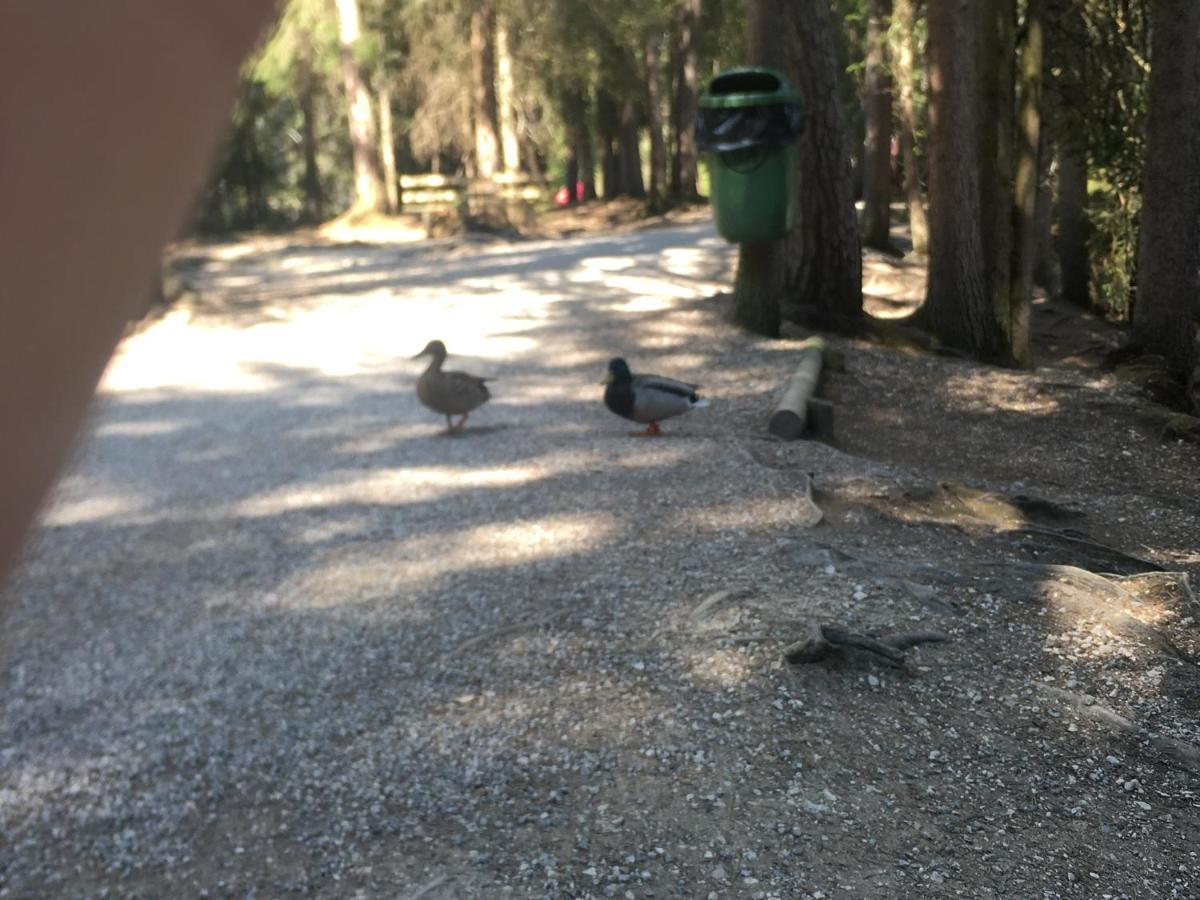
[(479, 197)]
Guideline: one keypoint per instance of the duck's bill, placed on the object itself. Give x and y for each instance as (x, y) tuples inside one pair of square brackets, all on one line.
[(419, 355), (608, 378)]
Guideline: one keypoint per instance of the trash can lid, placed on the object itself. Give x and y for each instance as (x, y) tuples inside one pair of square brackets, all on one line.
[(748, 86)]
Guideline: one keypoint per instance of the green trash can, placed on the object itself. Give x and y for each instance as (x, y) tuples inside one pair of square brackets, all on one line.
[(747, 126)]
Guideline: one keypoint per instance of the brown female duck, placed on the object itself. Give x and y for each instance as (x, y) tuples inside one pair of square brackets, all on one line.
[(449, 393)]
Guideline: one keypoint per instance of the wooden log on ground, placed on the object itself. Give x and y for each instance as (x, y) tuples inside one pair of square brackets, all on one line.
[(791, 419)]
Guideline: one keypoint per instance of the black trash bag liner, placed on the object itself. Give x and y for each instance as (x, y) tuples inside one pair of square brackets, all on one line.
[(719, 130)]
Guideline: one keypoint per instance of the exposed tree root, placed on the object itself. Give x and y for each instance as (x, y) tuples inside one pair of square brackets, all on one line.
[(822, 641), (1180, 753)]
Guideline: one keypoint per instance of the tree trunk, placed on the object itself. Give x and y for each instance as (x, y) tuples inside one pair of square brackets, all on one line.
[(1045, 264), (683, 171), (580, 143), (997, 30), (529, 152), (629, 156), (483, 89), (761, 269), (534, 163), (904, 33), (758, 287), (505, 99), (1073, 226), (824, 255), (387, 145), (1046, 272), (572, 174), (918, 227), (587, 163), (1168, 299), (877, 148), (314, 198), (606, 127), (369, 193), (253, 164), (1025, 186), (610, 168), (957, 307), (658, 147), (581, 164), (674, 76)]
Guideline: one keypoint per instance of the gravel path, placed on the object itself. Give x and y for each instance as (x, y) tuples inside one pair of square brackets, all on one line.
[(278, 636)]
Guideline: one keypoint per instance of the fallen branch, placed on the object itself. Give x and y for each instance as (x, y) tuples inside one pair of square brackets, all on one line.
[(822, 641)]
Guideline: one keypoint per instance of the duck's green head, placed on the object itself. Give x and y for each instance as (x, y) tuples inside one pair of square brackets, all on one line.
[(618, 371)]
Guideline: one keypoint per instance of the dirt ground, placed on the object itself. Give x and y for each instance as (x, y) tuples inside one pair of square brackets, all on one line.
[(279, 637)]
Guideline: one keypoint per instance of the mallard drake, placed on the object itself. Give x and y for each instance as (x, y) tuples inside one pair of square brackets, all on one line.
[(449, 393), (647, 398)]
